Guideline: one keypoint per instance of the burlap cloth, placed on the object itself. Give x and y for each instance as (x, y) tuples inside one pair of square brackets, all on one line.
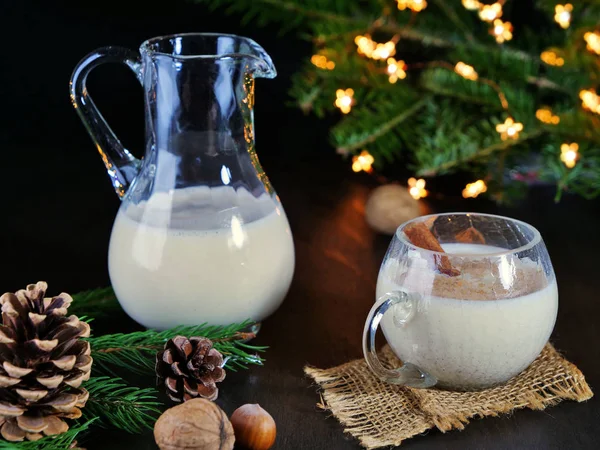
[(379, 414)]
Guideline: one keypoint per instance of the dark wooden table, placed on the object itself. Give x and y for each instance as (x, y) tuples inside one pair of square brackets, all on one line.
[(58, 208), (320, 322)]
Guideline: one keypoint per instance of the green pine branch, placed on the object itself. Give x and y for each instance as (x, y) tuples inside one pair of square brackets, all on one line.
[(60, 442), (358, 140), (136, 352), (115, 404), (96, 303), (449, 122)]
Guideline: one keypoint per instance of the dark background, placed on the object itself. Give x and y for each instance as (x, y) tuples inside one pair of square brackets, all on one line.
[(54, 182), (58, 207)]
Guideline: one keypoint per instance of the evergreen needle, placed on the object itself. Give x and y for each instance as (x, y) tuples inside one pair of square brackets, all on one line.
[(136, 352), (116, 404), (60, 442)]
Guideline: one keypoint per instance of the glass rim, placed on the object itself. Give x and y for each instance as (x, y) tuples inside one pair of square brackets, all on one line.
[(146, 46), (401, 236)]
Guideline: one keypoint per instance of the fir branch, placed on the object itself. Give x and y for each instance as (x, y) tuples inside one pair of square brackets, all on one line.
[(60, 442), (136, 352), (480, 154), (451, 14), (95, 303), (116, 404), (394, 121)]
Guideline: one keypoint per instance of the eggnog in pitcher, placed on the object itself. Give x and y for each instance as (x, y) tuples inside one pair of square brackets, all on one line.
[(200, 254)]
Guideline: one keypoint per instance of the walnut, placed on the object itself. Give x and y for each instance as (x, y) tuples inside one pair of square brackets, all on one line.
[(197, 424)]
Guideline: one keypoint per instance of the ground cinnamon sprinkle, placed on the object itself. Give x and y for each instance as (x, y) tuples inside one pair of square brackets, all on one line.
[(481, 280)]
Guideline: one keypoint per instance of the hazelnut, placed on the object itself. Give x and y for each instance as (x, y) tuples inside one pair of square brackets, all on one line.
[(197, 424), (254, 427)]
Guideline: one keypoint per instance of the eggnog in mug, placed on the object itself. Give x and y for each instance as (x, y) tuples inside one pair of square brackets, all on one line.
[(474, 330)]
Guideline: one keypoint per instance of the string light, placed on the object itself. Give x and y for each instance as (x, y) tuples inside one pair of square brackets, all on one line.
[(472, 190), (569, 154), (562, 15), (371, 49), (396, 70), (593, 42), (489, 13), (322, 62), (545, 115), (502, 31), (471, 4), (509, 129), (590, 100), (551, 58), (413, 5), (417, 188), (466, 71), (363, 162), (344, 100)]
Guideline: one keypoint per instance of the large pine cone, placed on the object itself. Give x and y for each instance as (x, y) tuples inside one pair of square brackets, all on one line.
[(190, 368), (43, 363)]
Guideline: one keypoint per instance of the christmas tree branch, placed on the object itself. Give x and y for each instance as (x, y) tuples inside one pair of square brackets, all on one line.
[(384, 128), (302, 10), (451, 14), (480, 154), (95, 303), (136, 352), (116, 404), (60, 442)]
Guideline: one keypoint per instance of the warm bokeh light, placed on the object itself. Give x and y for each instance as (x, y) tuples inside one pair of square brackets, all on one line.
[(413, 5), (466, 71), (471, 4), (396, 70), (551, 58), (322, 62), (502, 31), (545, 115), (569, 154), (593, 42), (489, 13), (472, 190), (562, 15), (416, 188), (363, 162), (371, 49), (590, 100), (344, 100), (509, 129)]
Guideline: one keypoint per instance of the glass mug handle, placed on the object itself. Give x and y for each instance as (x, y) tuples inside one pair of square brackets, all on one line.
[(408, 374), (121, 165)]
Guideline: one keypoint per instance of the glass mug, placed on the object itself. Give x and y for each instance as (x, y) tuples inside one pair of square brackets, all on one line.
[(201, 236), (473, 329)]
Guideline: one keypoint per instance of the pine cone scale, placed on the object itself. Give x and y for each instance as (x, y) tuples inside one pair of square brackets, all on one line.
[(32, 424), (190, 368)]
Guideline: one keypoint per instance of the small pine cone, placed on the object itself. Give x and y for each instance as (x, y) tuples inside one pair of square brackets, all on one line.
[(190, 368), (42, 364)]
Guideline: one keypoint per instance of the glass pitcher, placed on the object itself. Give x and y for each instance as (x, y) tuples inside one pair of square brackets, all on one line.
[(200, 236)]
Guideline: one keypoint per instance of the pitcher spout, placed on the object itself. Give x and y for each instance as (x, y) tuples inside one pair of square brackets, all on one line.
[(212, 46)]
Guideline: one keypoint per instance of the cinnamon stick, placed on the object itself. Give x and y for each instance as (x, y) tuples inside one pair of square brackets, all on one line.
[(470, 236), (420, 235)]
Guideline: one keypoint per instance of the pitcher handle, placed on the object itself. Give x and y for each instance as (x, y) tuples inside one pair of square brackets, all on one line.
[(121, 165), (408, 374)]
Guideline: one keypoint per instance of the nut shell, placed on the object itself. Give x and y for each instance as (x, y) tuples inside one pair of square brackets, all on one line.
[(389, 206), (254, 427), (197, 424)]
